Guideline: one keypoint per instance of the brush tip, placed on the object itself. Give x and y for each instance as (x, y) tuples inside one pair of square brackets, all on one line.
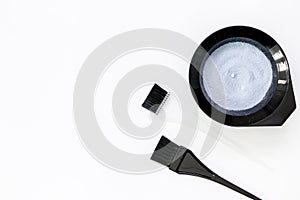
[(165, 151)]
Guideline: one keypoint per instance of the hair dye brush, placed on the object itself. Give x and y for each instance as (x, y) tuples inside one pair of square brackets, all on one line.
[(183, 161)]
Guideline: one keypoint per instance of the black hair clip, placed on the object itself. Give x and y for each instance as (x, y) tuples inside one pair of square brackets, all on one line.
[(155, 99)]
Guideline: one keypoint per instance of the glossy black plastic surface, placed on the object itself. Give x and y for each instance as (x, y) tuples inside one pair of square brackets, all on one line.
[(189, 164)]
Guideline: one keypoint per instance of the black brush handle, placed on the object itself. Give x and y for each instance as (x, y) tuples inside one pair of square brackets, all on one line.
[(189, 164), (226, 183)]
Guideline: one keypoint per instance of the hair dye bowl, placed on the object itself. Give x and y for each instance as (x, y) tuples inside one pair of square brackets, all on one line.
[(240, 76)]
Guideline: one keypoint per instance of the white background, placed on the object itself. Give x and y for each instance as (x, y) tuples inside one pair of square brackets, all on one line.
[(43, 45)]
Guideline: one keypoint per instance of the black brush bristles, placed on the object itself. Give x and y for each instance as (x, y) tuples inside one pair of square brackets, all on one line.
[(155, 99), (165, 151)]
